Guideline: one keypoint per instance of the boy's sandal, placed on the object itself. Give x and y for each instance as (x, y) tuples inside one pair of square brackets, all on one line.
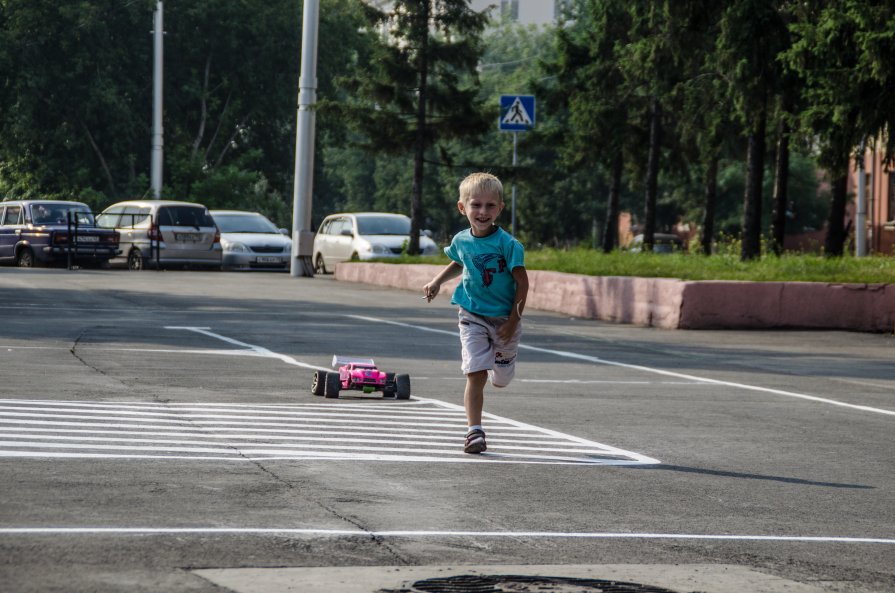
[(475, 442)]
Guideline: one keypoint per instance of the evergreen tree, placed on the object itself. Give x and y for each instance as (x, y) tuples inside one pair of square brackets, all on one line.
[(420, 86)]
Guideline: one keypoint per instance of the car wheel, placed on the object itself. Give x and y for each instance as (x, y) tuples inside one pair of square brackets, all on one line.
[(25, 258), (333, 384), (389, 389), (355, 256), (135, 260), (319, 266), (402, 386), (318, 385)]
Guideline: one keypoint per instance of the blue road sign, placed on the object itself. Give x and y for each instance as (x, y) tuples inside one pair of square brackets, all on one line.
[(517, 113)]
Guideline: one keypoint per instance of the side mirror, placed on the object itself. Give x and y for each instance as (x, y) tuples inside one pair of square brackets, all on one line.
[(347, 233), (284, 232)]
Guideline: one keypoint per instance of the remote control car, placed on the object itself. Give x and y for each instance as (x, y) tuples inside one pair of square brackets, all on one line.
[(359, 374)]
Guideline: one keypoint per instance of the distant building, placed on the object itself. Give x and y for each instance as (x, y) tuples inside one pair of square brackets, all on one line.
[(879, 189), (524, 12)]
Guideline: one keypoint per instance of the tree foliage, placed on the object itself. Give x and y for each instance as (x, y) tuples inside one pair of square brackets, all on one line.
[(693, 110), (420, 85)]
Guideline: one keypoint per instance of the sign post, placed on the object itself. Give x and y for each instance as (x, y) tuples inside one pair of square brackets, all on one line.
[(517, 114)]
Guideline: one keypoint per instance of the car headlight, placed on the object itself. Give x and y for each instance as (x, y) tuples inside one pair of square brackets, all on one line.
[(234, 246), (377, 249)]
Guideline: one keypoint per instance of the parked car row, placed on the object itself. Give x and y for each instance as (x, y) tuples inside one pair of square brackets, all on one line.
[(164, 233)]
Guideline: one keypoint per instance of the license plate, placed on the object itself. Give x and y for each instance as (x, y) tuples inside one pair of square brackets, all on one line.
[(268, 260), (188, 237), (87, 239)]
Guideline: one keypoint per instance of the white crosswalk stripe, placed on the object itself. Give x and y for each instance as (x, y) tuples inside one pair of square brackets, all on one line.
[(421, 430)]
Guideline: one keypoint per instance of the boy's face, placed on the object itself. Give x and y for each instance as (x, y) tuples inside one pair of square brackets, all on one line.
[(481, 211)]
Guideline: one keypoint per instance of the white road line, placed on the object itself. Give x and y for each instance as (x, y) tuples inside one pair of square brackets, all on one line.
[(421, 420), (280, 531), (298, 443), (390, 409), (258, 349), (334, 456), (250, 448), (59, 431), (333, 430), (192, 412), (596, 360), (37, 433)]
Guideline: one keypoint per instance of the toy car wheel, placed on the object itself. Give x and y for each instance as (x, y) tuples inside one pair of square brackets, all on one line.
[(389, 389), (318, 384), (402, 386), (332, 386)]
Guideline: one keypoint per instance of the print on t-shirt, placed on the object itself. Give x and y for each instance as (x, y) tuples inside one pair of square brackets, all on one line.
[(481, 263)]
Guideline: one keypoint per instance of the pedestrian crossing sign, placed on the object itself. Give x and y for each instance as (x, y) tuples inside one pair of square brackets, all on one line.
[(517, 113)]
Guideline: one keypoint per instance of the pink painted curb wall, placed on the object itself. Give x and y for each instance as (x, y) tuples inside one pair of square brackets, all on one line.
[(676, 304)]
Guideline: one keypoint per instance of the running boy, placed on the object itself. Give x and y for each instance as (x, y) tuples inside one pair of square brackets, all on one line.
[(491, 296)]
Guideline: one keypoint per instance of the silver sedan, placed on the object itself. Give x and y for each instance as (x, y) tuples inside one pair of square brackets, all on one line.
[(252, 242)]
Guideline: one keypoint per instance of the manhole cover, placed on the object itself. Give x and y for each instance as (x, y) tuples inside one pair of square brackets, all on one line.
[(522, 584)]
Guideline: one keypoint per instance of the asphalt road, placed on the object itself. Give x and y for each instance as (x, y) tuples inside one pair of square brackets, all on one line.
[(157, 433)]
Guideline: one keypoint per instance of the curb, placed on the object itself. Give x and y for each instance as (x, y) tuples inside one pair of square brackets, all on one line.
[(669, 303)]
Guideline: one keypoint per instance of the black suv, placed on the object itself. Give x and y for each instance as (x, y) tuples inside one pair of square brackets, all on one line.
[(50, 231)]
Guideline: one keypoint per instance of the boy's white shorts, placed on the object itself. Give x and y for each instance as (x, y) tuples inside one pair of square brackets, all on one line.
[(482, 350)]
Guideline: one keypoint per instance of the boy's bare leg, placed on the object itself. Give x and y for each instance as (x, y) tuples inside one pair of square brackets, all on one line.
[(474, 396)]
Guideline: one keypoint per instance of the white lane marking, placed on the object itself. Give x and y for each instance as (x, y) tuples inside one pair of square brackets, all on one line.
[(207, 405), (187, 412), (337, 430), (431, 440), (594, 359), (52, 430), (832, 539), (329, 410), (524, 426), (331, 456), (257, 349), (252, 448)]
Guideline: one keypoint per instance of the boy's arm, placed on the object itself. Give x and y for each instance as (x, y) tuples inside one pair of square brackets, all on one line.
[(452, 270), (506, 331)]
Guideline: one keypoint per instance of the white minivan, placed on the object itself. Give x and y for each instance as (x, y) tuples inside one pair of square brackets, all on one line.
[(160, 233), (362, 236)]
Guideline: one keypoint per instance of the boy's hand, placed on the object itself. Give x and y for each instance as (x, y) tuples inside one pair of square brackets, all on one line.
[(507, 329), (430, 291)]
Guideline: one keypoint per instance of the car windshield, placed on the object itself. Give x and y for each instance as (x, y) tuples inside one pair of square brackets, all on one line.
[(59, 214), (244, 223), (383, 225), (185, 216)]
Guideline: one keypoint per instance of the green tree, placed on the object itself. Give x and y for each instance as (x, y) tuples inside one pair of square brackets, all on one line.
[(845, 52), (591, 87), (420, 86), (753, 35), (70, 96), (76, 93)]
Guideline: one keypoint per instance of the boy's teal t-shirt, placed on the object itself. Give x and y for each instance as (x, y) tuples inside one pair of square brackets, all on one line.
[(487, 287)]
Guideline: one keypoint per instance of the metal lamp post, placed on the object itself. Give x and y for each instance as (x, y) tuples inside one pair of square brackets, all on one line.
[(302, 237)]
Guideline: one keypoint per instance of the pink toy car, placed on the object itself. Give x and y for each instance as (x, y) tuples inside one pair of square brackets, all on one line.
[(359, 374)]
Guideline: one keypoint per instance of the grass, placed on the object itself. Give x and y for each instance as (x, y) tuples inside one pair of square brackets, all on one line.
[(727, 266)]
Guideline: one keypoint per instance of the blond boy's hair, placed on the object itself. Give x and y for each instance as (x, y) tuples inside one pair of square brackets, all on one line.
[(480, 183)]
